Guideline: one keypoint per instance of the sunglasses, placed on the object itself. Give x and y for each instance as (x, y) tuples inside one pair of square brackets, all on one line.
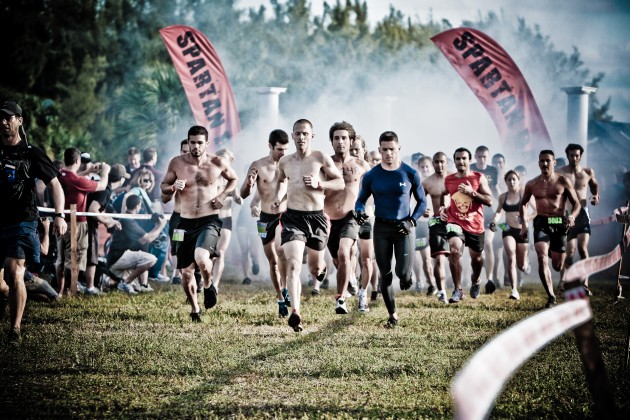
[(146, 180)]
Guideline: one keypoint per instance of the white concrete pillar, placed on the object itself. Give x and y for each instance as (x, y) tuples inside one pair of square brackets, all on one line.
[(269, 105), (577, 116)]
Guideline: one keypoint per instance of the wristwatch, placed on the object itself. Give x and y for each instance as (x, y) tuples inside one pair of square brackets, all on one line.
[(63, 216)]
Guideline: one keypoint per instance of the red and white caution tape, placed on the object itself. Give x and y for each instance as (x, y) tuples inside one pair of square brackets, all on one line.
[(45, 210), (478, 383)]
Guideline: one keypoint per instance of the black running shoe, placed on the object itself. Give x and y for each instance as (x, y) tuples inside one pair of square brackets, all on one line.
[(551, 302), (373, 296), (391, 322), (315, 292), (15, 337), (283, 311), (295, 322), (210, 297), (247, 280), (490, 287), (195, 316), (255, 268)]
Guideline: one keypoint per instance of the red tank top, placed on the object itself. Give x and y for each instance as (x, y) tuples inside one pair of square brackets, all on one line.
[(464, 210)]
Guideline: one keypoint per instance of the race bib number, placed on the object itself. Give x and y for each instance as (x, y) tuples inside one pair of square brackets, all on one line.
[(262, 229), (452, 227), (178, 235), (436, 220), (504, 227), (557, 220)]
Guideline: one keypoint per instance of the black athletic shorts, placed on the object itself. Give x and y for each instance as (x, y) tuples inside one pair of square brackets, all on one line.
[(342, 228), (172, 225), (310, 227), (226, 223), (553, 230), (365, 231), (270, 222), (203, 232), (516, 234), (437, 237), (582, 224), (474, 241)]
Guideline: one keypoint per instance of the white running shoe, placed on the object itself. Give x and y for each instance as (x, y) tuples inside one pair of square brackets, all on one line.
[(441, 296), (363, 302), (514, 295)]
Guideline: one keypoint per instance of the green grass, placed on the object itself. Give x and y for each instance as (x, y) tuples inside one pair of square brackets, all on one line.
[(121, 356)]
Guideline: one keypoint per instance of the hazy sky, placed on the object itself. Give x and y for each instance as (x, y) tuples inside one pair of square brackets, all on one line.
[(600, 29)]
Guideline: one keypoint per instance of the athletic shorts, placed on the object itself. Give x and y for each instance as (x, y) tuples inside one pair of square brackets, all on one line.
[(20, 241), (92, 251), (422, 235), (474, 241), (271, 222), (365, 230), (516, 234), (582, 224), (172, 225), (203, 232), (552, 230), (64, 251), (437, 237), (226, 223), (310, 227), (342, 228)]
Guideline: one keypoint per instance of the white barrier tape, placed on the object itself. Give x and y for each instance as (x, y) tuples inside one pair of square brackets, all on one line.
[(478, 383), (112, 215)]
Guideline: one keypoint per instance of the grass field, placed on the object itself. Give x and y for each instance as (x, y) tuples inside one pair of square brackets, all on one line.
[(122, 356)]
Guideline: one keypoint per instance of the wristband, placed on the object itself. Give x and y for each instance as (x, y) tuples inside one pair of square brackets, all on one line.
[(63, 216)]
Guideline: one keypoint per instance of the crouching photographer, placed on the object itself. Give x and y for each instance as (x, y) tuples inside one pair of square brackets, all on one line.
[(128, 258)]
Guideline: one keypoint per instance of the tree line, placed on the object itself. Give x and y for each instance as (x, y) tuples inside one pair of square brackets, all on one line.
[(95, 74)]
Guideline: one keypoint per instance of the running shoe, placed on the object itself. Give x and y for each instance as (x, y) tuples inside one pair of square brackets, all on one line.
[(515, 295), (324, 284), (391, 322), (315, 292), (295, 322), (352, 289), (283, 311), (195, 316), (551, 302), (363, 302), (441, 296), (432, 290), (374, 296), (457, 296), (127, 288), (210, 297), (285, 295), (474, 290), (418, 287), (160, 279), (340, 307), (247, 280), (176, 280), (490, 287), (255, 268), (15, 337), (144, 288), (93, 291)]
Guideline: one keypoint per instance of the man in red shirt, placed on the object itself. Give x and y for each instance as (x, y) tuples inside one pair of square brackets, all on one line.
[(76, 189), (469, 191)]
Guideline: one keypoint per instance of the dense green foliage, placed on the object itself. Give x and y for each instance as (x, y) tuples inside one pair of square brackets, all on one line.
[(121, 356), (95, 74)]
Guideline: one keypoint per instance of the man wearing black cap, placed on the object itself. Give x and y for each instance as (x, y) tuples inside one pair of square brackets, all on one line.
[(20, 165)]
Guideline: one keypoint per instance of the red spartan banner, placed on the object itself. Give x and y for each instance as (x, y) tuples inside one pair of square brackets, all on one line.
[(205, 82), (498, 83)]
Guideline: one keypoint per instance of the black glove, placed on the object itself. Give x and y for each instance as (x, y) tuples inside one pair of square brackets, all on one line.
[(407, 225), (361, 217), (406, 284), (156, 217)]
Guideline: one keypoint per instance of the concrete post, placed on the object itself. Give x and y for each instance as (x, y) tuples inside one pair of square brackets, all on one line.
[(577, 116), (269, 105)]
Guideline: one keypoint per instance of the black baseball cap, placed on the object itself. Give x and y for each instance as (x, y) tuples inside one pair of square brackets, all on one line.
[(11, 108)]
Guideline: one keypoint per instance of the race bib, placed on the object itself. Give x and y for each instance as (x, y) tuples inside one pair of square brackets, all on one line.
[(504, 227), (421, 242), (436, 220), (556, 220), (262, 229), (178, 235)]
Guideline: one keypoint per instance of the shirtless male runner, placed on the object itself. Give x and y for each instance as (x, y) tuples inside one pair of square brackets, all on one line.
[(308, 173), (339, 207), (263, 173), (551, 192), (195, 176), (434, 186), (581, 177)]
